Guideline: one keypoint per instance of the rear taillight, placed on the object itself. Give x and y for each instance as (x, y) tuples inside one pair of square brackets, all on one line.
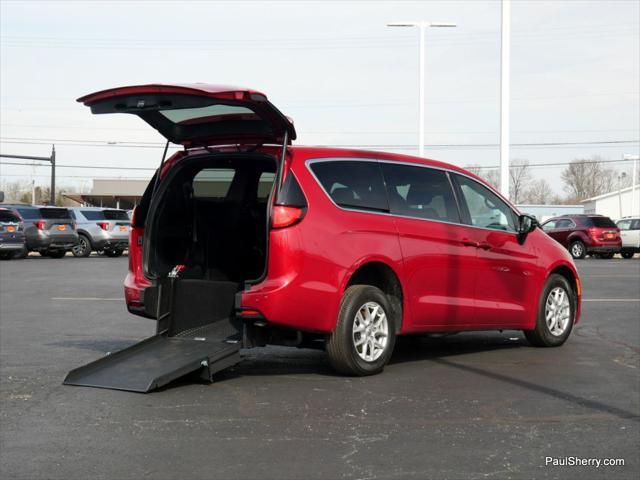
[(103, 225), (283, 216), (40, 224)]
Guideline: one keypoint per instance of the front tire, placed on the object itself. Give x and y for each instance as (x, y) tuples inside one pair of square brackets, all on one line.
[(626, 255), (113, 253), (556, 314), (56, 253), (83, 248), (364, 337), (577, 249)]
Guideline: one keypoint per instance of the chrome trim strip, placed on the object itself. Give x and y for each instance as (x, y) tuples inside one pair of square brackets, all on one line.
[(311, 161)]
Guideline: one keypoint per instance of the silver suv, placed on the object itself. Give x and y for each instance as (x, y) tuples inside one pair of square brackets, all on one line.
[(101, 229)]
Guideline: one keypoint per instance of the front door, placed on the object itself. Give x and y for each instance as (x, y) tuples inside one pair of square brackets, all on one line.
[(505, 267), (438, 264)]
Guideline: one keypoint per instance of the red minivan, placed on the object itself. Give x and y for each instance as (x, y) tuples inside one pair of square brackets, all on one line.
[(323, 247)]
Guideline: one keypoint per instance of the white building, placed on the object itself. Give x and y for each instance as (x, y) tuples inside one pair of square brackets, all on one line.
[(616, 204)]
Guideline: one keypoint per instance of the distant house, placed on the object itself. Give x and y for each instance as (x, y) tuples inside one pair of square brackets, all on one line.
[(616, 204), (545, 212)]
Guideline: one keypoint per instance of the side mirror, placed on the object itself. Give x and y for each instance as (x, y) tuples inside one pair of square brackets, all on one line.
[(526, 225)]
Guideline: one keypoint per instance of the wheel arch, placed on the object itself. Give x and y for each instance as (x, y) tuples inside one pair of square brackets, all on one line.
[(571, 275), (379, 274)]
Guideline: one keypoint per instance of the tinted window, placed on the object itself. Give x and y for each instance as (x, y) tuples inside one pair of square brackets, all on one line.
[(291, 194), (420, 192), (264, 185), (635, 225), (602, 222), (353, 184), (55, 213), (485, 208), (29, 213), (213, 182), (8, 217), (564, 223), (115, 215), (92, 214)]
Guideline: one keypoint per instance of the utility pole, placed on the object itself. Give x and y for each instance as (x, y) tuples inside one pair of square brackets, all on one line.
[(505, 48), (52, 160)]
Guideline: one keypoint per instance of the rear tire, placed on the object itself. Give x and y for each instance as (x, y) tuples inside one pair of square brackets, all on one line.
[(577, 249), (364, 337), (21, 254), (556, 314), (113, 253), (56, 253), (7, 255), (44, 253), (83, 248), (626, 255)]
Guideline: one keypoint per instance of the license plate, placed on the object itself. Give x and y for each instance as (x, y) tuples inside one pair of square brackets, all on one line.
[(609, 235), (11, 229), (123, 228), (62, 228)]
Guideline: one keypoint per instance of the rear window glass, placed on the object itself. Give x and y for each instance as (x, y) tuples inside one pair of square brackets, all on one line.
[(115, 215), (420, 192), (29, 213), (213, 182), (602, 222), (185, 116), (92, 214), (55, 213), (353, 184), (8, 217)]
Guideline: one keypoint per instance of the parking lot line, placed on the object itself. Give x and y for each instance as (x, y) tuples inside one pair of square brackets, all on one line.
[(88, 299), (611, 299)]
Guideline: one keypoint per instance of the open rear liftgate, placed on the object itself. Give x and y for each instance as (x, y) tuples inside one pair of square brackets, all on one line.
[(200, 336)]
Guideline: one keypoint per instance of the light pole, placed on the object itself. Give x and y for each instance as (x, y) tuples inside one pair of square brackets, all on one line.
[(620, 177), (422, 26), (505, 46), (635, 159)]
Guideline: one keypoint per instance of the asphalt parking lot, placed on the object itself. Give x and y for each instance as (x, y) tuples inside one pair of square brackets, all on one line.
[(473, 405)]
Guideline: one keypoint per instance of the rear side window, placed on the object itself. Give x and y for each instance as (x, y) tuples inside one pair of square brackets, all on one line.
[(565, 223), (92, 214), (485, 208), (115, 215), (8, 217), (55, 213), (353, 184), (213, 182), (420, 192), (264, 185), (602, 222), (29, 213)]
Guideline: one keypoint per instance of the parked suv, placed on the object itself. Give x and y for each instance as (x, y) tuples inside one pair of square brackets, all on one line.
[(585, 235), (334, 248), (101, 229), (48, 230), (12, 242), (630, 233)]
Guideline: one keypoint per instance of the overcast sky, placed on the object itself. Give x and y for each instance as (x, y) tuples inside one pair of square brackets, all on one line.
[(334, 67)]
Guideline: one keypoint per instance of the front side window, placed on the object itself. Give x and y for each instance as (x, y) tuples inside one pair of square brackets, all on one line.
[(550, 225), (353, 184), (420, 192), (485, 208)]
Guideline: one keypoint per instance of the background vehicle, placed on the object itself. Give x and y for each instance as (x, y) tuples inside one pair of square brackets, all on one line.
[(12, 242), (101, 229), (630, 233), (585, 235), (48, 230), (243, 240)]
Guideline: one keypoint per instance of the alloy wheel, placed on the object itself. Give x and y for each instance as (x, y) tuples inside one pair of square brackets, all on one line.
[(370, 331), (557, 311)]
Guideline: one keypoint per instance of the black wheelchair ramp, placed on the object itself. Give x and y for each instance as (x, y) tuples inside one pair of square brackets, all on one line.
[(186, 346)]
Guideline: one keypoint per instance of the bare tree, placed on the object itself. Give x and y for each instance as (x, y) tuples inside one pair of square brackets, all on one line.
[(586, 178), (538, 192), (519, 177), (490, 175)]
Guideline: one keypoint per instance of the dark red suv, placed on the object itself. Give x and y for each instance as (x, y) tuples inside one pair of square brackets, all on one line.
[(321, 247), (585, 235)]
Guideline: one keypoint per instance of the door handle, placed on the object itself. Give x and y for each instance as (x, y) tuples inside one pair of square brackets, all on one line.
[(484, 246), (469, 243)]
